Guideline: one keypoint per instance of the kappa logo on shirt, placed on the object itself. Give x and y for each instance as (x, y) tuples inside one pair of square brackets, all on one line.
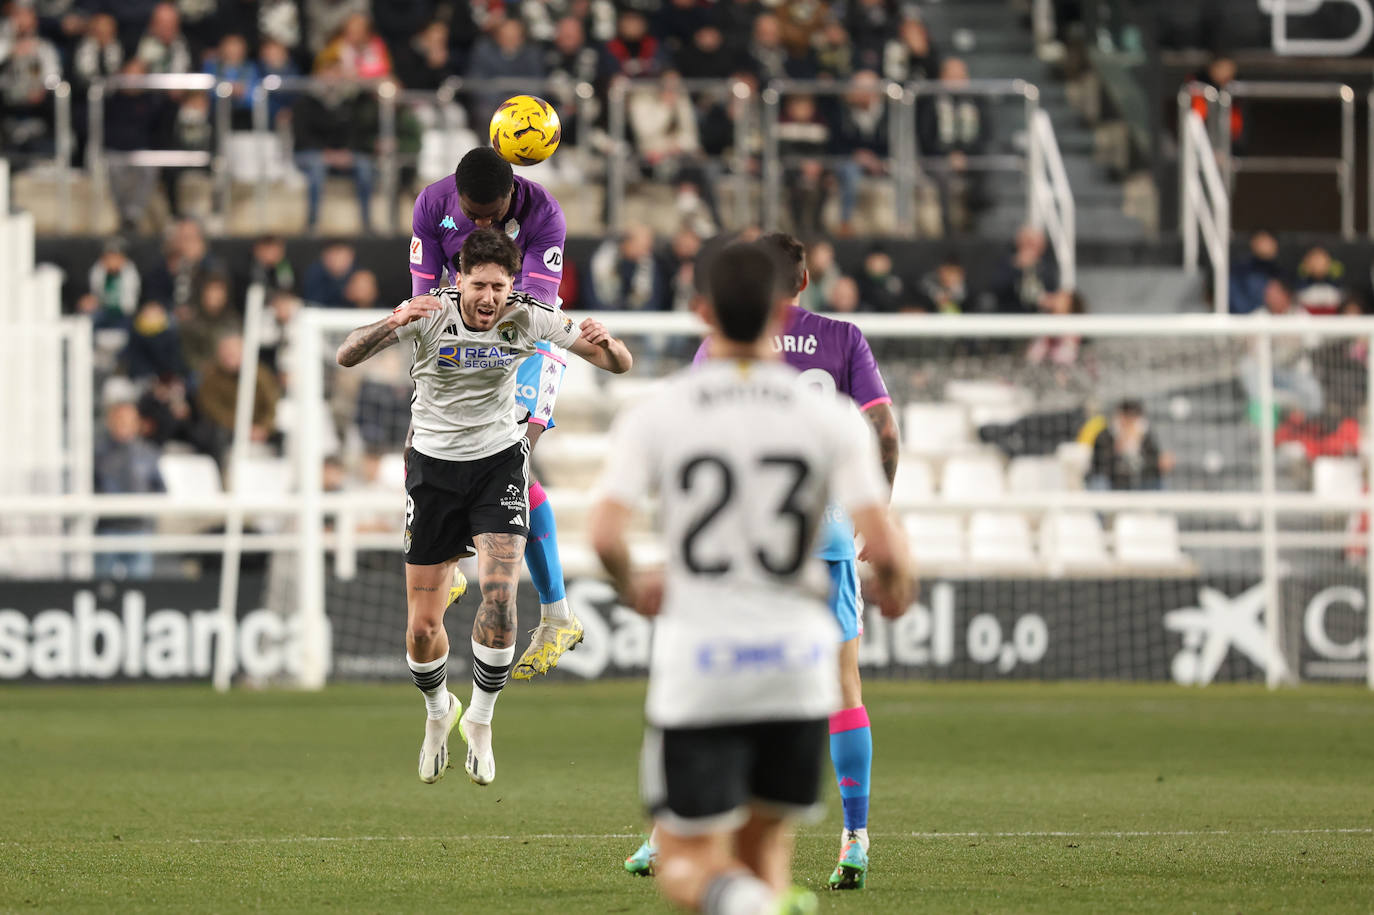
[(448, 223)]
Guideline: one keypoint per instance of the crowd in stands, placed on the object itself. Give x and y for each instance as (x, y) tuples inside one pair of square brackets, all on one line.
[(830, 141)]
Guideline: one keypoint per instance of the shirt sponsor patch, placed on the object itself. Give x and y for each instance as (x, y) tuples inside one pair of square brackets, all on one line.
[(553, 259), (417, 250)]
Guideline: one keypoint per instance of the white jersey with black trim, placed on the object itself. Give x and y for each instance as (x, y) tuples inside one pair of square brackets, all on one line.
[(463, 408), (744, 457)]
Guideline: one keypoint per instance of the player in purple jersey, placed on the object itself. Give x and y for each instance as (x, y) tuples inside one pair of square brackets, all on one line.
[(484, 191), (833, 355)]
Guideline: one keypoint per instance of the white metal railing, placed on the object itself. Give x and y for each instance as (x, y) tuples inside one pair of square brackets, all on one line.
[(1051, 197), (1205, 207), (310, 506), (1280, 10)]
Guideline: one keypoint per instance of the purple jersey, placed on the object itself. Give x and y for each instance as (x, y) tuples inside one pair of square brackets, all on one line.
[(534, 222), (829, 352)]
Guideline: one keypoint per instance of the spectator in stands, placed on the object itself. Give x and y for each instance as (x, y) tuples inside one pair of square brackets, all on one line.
[(1028, 275), (336, 131), (707, 56), (204, 325), (860, 140), (880, 289), (217, 395), (125, 463), (1061, 349), (633, 52), (134, 119), (844, 296), (569, 59), (736, 21), (274, 59), (1295, 385), (911, 55), (834, 53), (427, 59), (98, 55), (187, 260), (231, 64), (1319, 282), (326, 278), (154, 348), (871, 23), (62, 22), (163, 48), (802, 22), (681, 265), (114, 281), (1126, 454), (953, 127), (663, 125), (132, 18), (279, 22), (268, 266), (26, 115), (192, 131), (361, 290), (944, 290), (278, 333), (398, 21), (362, 51), (771, 58), (1251, 276), (505, 53), (625, 275), (325, 19), (824, 274), (1219, 73), (678, 21), (804, 140)]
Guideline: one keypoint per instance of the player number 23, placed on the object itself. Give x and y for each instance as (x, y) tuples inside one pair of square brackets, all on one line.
[(706, 469)]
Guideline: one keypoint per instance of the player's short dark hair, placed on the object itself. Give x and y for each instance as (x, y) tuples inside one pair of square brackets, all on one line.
[(489, 246), (793, 254), (746, 280), (483, 176)]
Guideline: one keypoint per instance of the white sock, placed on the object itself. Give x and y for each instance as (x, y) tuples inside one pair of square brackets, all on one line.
[(431, 677), (490, 671), (737, 893), (861, 834), (558, 610)]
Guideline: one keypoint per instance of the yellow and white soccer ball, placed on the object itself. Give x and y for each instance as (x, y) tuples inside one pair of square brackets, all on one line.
[(525, 130)]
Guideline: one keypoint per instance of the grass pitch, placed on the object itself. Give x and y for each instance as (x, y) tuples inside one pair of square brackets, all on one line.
[(988, 798)]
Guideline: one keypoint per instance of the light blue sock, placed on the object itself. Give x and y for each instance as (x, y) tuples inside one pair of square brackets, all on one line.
[(541, 553), (851, 750)]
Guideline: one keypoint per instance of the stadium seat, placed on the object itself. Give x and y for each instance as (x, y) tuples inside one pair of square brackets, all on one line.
[(1337, 477), (1036, 474), (1073, 539), (1147, 539), (972, 477), (1076, 458), (190, 475), (989, 401), (934, 428), (1001, 538), (914, 482), (264, 476), (391, 471), (936, 537)]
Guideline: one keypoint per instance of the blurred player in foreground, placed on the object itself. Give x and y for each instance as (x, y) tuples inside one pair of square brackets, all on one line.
[(484, 192), (834, 357), (745, 457), (467, 472)]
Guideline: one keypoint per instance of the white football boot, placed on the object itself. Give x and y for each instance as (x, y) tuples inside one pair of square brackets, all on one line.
[(434, 758), (481, 764)]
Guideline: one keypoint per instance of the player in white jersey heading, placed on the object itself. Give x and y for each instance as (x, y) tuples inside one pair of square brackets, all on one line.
[(744, 670), (467, 472)]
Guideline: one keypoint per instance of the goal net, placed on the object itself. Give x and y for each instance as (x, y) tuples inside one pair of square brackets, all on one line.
[(1174, 498)]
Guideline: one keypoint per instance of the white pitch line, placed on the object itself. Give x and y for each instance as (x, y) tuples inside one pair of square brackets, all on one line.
[(1044, 834)]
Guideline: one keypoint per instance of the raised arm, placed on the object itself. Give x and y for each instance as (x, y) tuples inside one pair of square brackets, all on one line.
[(370, 339), (598, 347)]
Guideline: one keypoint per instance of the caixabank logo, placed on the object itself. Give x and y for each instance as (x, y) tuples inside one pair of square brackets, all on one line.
[(159, 631)]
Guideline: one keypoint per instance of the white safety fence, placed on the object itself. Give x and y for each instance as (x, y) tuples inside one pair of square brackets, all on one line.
[(318, 534)]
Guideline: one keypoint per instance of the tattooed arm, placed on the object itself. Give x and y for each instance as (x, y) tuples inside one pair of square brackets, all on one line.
[(498, 563), (884, 423), (371, 339)]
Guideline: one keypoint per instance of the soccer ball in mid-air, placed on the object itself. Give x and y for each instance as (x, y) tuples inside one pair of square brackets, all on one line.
[(525, 130)]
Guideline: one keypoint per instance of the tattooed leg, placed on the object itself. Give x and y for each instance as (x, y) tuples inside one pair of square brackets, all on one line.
[(426, 600), (498, 562)]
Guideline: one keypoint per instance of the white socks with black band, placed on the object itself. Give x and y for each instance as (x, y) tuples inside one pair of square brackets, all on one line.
[(490, 671), (431, 677)]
